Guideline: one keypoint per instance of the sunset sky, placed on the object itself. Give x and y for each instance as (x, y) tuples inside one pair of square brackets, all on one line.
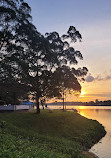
[(93, 19)]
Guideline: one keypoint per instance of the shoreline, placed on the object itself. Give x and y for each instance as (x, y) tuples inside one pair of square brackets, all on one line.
[(70, 141), (61, 104), (90, 154)]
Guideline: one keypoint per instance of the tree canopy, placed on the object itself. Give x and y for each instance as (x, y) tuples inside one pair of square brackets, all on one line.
[(43, 65), (15, 35)]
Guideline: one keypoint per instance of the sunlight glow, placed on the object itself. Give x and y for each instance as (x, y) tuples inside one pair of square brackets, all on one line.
[(83, 113), (82, 93)]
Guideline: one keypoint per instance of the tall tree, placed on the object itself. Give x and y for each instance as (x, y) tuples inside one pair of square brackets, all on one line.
[(50, 65), (16, 32), (43, 64)]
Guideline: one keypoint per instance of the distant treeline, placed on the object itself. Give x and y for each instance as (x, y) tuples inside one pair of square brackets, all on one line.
[(91, 103)]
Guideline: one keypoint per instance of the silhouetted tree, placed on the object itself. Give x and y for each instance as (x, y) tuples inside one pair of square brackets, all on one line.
[(43, 64), (66, 78), (16, 31), (11, 92), (51, 65)]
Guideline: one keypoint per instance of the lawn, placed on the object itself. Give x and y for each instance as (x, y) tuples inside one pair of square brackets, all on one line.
[(48, 135)]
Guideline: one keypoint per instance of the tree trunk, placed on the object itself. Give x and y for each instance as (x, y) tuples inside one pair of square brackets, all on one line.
[(63, 104), (63, 100), (37, 105)]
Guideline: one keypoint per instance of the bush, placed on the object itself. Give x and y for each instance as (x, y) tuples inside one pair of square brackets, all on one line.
[(2, 124)]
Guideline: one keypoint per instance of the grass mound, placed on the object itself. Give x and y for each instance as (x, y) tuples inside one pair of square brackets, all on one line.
[(48, 135)]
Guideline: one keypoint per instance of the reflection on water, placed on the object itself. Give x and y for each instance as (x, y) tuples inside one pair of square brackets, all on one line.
[(103, 115), (103, 148)]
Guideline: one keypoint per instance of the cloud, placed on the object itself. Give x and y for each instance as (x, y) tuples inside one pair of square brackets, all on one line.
[(91, 78), (99, 78), (108, 77), (99, 95)]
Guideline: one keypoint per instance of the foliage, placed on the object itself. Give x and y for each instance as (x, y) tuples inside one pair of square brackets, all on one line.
[(15, 26), (12, 147), (42, 140), (11, 91), (2, 124), (34, 61), (49, 65)]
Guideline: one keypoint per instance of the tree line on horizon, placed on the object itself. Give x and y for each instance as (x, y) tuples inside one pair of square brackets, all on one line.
[(33, 64), (90, 103)]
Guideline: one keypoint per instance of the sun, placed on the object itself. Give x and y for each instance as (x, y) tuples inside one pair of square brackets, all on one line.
[(82, 93)]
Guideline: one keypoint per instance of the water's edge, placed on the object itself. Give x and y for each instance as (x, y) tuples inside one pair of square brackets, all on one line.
[(90, 153), (84, 111)]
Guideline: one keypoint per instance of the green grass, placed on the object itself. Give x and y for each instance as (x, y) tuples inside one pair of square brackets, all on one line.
[(48, 135)]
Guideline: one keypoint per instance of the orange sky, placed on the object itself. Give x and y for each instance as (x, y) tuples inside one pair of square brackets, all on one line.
[(100, 90), (91, 91)]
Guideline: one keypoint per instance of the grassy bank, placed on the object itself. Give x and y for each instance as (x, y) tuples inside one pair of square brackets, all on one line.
[(48, 135)]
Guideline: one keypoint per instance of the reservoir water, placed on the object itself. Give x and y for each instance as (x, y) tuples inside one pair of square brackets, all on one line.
[(102, 114)]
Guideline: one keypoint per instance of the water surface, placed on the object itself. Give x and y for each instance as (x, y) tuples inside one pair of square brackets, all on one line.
[(103, 148)]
